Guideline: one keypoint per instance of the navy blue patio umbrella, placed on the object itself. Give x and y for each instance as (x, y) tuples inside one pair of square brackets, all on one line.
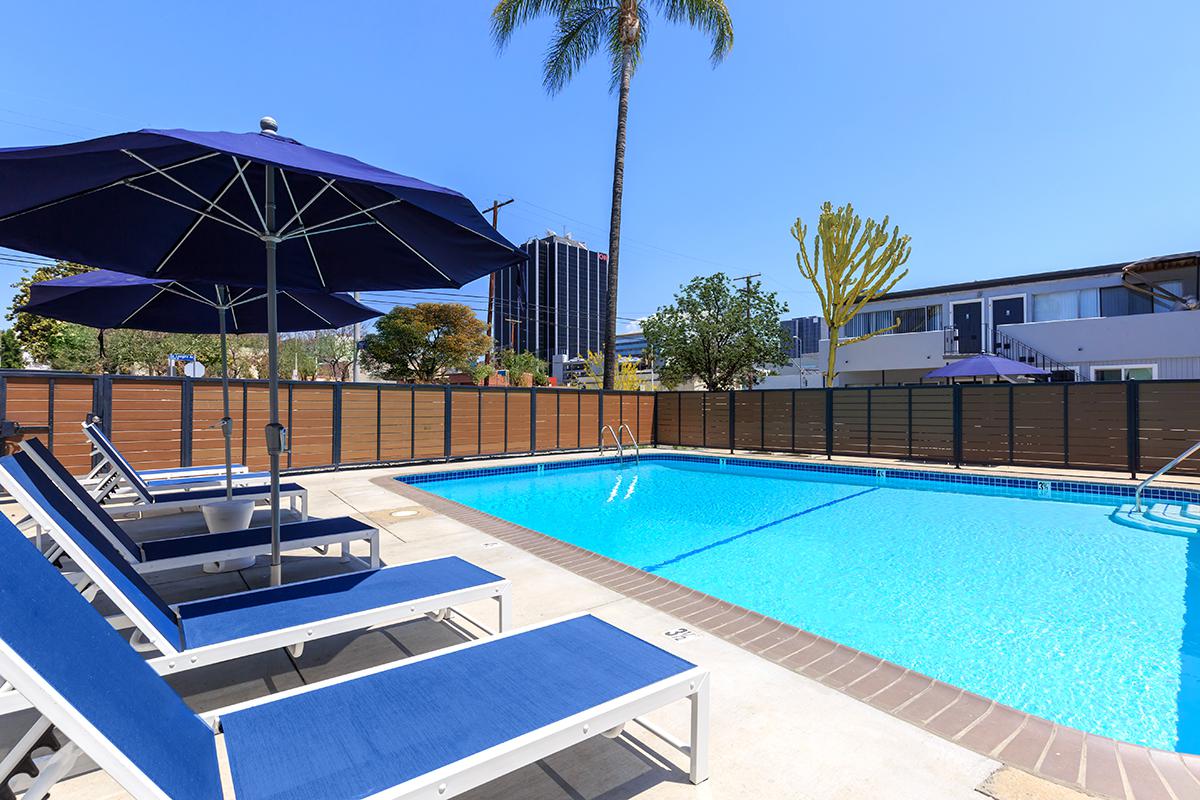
[(107, 300), (243, 209)]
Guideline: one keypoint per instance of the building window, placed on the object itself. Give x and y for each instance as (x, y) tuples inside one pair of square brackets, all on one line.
[(1072, 304), (1133, 372), (912, 320)]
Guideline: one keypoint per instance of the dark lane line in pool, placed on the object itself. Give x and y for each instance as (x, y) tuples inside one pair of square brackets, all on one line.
[(764, 526)]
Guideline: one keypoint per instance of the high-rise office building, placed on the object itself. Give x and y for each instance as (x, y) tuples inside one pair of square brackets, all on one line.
[(804, 334), (553, 304)]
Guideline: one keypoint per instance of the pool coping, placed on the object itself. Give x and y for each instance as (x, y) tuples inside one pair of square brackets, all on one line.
[(1095, 764)]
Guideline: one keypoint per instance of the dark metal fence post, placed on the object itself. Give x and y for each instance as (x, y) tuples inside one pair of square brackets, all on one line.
[(187, 421), (1066, 426), (337, 424), (829, 422), (1132, 425), (679, 418), (50, 414), (379, 422), (533, 420), (762, 419), (793, 420), (245, 403), (958, 426), (600, 419), (412, 423), (1012, 423), (446, 423), (291, 405), (910, 434), (868, 422), (732, 423)]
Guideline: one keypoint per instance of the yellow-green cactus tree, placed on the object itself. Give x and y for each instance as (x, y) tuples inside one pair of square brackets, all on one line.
[(852, 263)]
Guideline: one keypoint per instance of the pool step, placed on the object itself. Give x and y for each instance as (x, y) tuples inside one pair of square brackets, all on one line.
[(1158, 518)]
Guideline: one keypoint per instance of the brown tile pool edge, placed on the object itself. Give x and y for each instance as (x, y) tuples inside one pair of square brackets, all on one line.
[(1094, 764)]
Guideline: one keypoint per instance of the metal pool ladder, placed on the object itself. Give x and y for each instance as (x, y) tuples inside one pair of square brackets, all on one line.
[(637, 451), (1137, 495), (616, 439)]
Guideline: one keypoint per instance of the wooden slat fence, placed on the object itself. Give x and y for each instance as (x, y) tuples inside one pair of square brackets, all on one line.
[(1136, 426), (168, 422)]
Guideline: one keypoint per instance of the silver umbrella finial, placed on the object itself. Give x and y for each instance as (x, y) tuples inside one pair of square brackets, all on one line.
[(268, 125)]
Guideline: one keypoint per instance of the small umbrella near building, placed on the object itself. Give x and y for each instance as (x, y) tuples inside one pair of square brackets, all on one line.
[(986, 365), (244, 209), (110, 300)]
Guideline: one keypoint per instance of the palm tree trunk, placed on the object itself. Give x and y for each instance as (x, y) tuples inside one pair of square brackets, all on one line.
[(614, 230)]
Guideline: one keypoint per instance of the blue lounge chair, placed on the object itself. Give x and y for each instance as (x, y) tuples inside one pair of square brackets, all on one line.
[(111, 465), (53, 485), (182, 494), (221, 628), (430, 727)]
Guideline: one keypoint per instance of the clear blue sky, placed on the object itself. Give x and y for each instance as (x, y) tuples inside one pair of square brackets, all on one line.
[(1005, 138)]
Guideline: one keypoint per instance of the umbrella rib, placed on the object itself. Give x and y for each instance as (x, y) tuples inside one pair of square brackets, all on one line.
[(195, 224), (142, 307), (185, 206), (311, 251), (392, 233), (190, 190), (304, 231), (86, 192), (242, 174), (296, 216), (307, 307)]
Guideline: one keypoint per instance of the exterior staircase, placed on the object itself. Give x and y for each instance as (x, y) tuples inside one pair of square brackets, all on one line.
[(1000, 343), (1171, 518)]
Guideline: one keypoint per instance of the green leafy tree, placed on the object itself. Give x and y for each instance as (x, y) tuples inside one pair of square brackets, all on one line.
[(722, 336), (421, 343), (298, 355), (617, 27), (10, 351), (852, 263), (334, 352), (38, 335), (522, 363)]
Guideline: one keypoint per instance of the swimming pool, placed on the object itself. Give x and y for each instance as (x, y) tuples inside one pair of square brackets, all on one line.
[(1040, 602)]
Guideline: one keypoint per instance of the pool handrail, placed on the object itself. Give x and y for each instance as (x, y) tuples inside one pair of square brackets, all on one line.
[(616, 438), (637, 451), (1137, 495)]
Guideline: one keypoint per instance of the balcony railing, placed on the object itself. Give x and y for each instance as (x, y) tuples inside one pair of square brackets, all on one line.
[(991, 339)]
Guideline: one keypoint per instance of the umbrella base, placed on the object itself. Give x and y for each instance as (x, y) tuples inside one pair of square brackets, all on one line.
[(228, 515)]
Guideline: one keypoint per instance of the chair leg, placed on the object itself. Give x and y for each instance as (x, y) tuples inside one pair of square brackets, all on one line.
[(504, 611), (374, 542), (345, 551), (59, 765), (19, 760), (699, 734)]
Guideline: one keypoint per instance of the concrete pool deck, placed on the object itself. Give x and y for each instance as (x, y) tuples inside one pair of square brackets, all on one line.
[(778, 729)]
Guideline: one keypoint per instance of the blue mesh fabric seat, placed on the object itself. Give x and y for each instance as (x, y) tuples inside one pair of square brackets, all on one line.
[(343, 739), (57, 485), (234, 617)]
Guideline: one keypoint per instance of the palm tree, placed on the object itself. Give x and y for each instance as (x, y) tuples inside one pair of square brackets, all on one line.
[(583, 28)]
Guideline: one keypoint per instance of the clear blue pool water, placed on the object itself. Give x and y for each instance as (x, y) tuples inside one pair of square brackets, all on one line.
[(1044, 604)]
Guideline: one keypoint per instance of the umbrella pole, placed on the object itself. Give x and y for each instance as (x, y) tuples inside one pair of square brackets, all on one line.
[(275, 431), (226, 420)]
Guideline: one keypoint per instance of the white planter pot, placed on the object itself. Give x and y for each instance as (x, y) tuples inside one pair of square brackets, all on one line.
[(225, 516)]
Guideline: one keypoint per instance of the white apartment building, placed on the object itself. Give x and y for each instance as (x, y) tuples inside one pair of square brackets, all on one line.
[(1131, 321)]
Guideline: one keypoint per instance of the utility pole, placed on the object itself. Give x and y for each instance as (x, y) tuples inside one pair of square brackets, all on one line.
[(495, 209), (512, 331), (747, 279)]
